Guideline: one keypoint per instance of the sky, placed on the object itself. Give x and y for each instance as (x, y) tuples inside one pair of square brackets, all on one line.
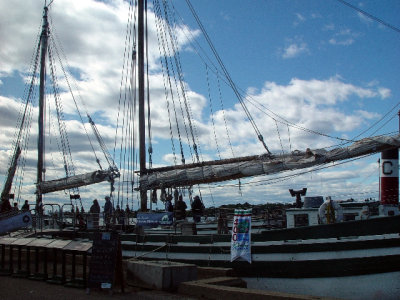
[(317, 65)]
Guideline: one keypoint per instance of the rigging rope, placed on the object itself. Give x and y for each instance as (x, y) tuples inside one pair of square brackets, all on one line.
[(150, 146), (212, 113), (164, 64), (127, 95), (228, 77), (370, 16), (60, 60)]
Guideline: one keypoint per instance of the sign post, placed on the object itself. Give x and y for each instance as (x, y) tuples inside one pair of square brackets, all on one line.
[(105, 268)]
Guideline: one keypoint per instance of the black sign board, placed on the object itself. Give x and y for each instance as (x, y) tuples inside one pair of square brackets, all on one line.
[(106, 261)]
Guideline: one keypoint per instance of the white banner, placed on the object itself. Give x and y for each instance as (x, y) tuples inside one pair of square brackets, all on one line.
[(241, 235)]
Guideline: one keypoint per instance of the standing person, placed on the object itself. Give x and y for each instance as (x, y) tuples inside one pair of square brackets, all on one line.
[(168, 204), (180, 209), (127, 210), (25, 207), (119, 215), (127, 214), (95, 212), (15, 207), (107, 211), (197, 209)]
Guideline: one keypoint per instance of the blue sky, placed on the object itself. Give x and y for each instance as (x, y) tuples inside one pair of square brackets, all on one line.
[(317, 64)]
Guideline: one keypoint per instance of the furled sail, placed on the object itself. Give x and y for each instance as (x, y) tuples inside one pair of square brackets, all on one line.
[(77, 181), (229, 169)]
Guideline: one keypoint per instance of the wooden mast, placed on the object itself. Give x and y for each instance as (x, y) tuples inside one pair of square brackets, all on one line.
[(43, 44), (142, 125)]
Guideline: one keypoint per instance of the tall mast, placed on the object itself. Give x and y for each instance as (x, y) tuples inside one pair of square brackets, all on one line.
[(142, 125), (44, 41)]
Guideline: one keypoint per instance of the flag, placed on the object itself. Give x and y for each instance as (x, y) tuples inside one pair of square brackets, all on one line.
[(241, 235)]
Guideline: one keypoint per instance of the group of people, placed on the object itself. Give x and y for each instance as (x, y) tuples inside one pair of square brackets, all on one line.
[(197, 207), (5, 206), (111, 215), (118, 215)]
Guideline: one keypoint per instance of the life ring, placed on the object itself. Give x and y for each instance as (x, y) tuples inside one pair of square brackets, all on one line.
[(26, 219), (330, 212)]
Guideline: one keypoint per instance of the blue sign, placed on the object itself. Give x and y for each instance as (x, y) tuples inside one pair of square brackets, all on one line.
[(155, 219)]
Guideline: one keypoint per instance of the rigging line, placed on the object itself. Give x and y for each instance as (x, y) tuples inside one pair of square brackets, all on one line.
[(181, 92), (127, 84), (160, 39), (192, 38), (279, 136), (167, 53), (188, 110), (231, 83), (26, 133), (95, 131), (28, 89), (25, 118), (65, 149), (25, 139), (195, 45), (22, 116), (189, 114), (384, 124), (54, 45), (127, 137), (130, 133), (223, 114), (370, 16), (192, 126), (212, 113), (150, 146), (378, 121), (291, 124), (290, 143), (125, 60)]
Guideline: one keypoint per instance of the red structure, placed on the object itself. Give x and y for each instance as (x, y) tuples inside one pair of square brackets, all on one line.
[(389, 177)]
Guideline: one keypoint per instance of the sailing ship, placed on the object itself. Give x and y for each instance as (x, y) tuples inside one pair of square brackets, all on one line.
[(332, 250)]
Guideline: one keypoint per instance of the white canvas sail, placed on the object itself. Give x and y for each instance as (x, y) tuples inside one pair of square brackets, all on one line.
[(263, 164), (77, 181)]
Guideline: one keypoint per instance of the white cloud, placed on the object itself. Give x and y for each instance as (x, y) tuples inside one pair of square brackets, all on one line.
[(384, 92), (91, 34), (294, 50), (344, 37), (299, 19)]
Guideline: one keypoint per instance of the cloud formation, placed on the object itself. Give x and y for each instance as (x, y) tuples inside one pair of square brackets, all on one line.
[(91, 35)]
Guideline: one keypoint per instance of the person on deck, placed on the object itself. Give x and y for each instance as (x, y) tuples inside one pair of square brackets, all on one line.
[(180, 209), (127, 210), (108, 209), (95, 212), (25, 207), (119, 215), (15, 207), (197, 209), (127, 214), (168, 204)]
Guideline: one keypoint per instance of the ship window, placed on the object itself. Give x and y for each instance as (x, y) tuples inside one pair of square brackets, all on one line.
[(301, 220)]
